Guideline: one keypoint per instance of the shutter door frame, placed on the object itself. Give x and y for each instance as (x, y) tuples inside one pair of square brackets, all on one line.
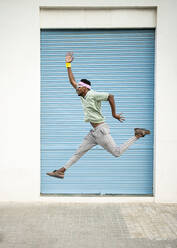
[(58, 97)]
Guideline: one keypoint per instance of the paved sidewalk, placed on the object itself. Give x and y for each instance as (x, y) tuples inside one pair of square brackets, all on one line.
[(88, 225)]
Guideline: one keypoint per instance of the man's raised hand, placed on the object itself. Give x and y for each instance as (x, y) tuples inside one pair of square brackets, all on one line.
[(69, 57)]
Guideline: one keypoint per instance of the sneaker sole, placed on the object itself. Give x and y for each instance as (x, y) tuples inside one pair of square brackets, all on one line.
[(55, 175), (146, 131)]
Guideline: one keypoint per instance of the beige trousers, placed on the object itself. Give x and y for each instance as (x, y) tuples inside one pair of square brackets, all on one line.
[(99, 136)]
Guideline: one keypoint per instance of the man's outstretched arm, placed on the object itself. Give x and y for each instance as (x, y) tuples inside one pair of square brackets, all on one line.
[(113, 108), (69, 58)]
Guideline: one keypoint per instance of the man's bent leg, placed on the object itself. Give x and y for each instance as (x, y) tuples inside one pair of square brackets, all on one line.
[(86, 145), (109, 144), (105, 140)]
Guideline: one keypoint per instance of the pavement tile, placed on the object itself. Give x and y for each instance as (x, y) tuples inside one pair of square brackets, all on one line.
[(88, 225)]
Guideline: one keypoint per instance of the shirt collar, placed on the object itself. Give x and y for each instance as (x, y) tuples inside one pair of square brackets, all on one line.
[(88, 93)]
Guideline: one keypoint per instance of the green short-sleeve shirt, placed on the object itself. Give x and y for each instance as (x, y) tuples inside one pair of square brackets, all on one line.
[(92, 106)]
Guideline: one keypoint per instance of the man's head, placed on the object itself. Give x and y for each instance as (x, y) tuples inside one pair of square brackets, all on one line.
[(83, 87)]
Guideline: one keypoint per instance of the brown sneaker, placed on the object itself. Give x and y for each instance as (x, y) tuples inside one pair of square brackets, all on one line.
[(141, 132), (55, 173)]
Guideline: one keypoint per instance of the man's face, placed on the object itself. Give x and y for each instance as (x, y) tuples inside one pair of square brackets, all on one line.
[(81, 91)]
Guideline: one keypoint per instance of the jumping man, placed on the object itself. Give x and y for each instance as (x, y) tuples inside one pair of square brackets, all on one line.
[(100, 134)]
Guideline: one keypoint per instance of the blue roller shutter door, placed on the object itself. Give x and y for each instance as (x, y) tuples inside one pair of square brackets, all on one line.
[(120, 62)]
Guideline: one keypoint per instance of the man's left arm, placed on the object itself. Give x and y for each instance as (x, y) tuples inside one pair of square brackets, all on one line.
[(113, 108)]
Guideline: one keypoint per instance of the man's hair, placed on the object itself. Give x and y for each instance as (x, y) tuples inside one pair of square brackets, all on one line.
[(85, 81)]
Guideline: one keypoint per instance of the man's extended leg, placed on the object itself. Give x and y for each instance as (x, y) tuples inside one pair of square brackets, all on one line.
[(86, 145)]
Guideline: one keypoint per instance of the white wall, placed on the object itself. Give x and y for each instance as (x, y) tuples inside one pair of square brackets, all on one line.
[(20, 96), (166, 103), (20, 102), (98, 18)]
